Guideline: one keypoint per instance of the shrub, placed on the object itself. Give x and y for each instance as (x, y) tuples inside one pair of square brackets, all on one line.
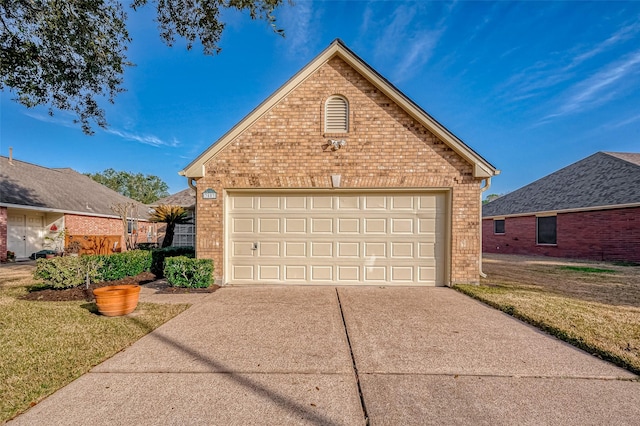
[(126, 264), (159, 256), (60, 272), (182, 271)]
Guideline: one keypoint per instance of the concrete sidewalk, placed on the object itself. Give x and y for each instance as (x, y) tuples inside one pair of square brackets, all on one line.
[(321, 355)]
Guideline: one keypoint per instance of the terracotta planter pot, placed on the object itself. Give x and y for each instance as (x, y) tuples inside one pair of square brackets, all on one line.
[(116, 300)]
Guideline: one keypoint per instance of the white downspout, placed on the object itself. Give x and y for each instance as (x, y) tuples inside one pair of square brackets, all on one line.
[(482, 190)]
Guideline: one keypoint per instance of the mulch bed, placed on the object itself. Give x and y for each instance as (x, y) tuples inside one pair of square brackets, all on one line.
[(82, 293)]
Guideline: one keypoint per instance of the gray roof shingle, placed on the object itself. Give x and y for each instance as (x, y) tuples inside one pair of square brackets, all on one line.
[(63, 189), (185, 198), (602, 179)]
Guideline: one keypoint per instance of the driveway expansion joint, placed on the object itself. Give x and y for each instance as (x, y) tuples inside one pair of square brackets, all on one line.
[(353, 360)]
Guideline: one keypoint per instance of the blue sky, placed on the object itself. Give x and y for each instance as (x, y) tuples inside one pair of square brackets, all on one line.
[(531, 86)]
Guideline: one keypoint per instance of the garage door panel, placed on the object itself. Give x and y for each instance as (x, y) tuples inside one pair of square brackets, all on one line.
[(375, 249), (348, 273), (321, 225), (375, 273), (402, 273), (321, 249), (295, 273), (242, 272), (267, 225), (268, 249), (269, 272), (243, 225), (402, 250), (295, 203), (401, 226), (348, 249), (295, 249), (326, 238), (322, 272), (375, 202), (375, 225), (348, 225), (272, 202), (242, 249)]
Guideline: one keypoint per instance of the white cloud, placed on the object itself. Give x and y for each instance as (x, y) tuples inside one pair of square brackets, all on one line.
[(623, 34), (144, 139), (298, 24), (601, 86)]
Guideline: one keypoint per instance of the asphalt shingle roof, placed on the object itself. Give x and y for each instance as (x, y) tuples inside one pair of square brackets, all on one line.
[(30, 185), (185, 198), (602, 179)]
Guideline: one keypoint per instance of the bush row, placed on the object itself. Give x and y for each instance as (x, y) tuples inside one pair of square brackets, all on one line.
[(69, 271)]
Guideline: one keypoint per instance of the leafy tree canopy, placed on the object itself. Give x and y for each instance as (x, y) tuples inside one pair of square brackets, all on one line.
[(143, 188), (67, 53)]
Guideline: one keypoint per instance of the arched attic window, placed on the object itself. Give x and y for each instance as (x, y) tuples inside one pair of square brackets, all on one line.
[(336, 115)]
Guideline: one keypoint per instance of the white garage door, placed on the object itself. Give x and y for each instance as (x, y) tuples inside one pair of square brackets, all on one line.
[(328, 238)]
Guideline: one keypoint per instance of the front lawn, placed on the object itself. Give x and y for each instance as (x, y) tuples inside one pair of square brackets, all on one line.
[(46, 345), (595, 306)]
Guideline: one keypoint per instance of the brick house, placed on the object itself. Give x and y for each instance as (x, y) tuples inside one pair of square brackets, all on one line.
[(588, 210), (339, 178), (45, 208)]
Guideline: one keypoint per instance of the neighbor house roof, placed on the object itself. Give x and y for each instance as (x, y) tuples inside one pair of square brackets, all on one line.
[(185, 198), (62, 190), (602, 180), (481, 167)]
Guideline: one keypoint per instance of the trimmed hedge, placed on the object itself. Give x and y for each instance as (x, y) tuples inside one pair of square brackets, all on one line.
[(60, 272), (126, 264), (182, 271), (159, 256), (71, 271)]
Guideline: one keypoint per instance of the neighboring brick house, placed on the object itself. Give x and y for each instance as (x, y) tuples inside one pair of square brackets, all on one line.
[(184, 234), (339, 178), (588, 210), (43, 208)]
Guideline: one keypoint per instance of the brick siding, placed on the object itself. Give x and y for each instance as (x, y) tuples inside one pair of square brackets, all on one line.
[(386, 148), (91, 225), (595, 235)]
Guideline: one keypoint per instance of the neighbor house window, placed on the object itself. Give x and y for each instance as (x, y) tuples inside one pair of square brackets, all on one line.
[(546, 230), (336, 115), (132, 226), (498, 226)]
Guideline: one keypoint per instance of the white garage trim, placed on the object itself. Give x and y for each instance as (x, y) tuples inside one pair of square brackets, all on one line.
[(346, 237)]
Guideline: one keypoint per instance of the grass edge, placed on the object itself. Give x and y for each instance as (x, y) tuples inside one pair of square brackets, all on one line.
[(553, 331)]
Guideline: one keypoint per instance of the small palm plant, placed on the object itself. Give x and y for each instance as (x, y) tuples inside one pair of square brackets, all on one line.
[(172, 216)]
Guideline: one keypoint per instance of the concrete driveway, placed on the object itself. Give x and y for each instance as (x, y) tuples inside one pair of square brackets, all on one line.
[(325, 355)]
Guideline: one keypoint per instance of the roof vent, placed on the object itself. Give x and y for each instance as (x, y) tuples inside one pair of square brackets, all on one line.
[(336, 118)]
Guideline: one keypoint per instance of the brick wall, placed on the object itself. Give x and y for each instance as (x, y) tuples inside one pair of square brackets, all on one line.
[(3, 234), (90, 225), (596, 235), (386, 148)]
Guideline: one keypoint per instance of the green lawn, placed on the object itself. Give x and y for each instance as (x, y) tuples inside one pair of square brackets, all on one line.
[(46, 345), (595, 307)]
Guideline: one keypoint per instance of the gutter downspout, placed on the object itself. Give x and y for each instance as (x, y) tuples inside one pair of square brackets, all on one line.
[(482, 190), (190, 182)]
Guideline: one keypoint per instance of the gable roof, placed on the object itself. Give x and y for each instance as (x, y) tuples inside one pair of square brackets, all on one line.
[(604, 179), (482, 168), (185, 198), (62, 190)]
